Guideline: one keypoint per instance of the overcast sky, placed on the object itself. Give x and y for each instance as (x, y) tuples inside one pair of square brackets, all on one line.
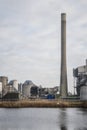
[(30, 39)]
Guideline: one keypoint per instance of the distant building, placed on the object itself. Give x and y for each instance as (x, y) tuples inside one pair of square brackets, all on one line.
[(20, 88), (10, 93), (80, 75), (29, 89), (4, 81), (48, 93), (15, 91), (1, 87), (14, 83)]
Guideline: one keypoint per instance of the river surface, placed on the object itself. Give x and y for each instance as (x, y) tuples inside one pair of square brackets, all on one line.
[(43, 119)]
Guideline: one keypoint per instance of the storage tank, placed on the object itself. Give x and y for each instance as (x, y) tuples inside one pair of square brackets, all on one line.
[(1, 86), (26, 90), (4, 81), (83, 93), (14, 84)]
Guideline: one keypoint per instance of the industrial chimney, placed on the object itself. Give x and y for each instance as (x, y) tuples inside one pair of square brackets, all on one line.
[(63, 78)]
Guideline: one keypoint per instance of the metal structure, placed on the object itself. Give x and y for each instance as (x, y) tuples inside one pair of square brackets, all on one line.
[(63, 78), (80, 75), (83, 93), (20, 88)]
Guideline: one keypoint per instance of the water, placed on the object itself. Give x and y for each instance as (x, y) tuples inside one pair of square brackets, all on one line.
[(43, 119)]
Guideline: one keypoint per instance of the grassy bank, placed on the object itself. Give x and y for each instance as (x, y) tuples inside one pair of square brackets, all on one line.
[(42, 103)]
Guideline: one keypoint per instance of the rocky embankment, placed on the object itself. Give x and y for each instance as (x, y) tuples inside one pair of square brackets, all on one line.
[(42, 103)]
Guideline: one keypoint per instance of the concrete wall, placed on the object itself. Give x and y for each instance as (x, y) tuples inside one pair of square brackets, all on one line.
[(83, 93), (63, 76)]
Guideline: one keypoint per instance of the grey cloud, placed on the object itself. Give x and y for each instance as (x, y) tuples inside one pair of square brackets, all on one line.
[(30, 39)]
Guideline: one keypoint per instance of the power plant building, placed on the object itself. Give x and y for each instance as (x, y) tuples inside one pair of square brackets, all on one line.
[(9, 91), (29, 89), (14, 83), (80, 75)]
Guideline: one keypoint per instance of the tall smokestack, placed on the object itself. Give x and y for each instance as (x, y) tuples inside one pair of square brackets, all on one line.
[(63, 78)]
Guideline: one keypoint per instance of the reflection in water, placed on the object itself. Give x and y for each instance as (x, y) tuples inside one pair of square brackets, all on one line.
[(63, 128), (43, 119), (73, 119), (63, 117)]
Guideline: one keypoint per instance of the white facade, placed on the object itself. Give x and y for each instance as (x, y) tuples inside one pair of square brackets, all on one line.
[(4, 81), (1, 86), (14, 84), (82, 69), (26, 88)]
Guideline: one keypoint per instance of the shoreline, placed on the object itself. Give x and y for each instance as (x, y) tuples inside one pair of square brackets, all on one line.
[(43, 104)]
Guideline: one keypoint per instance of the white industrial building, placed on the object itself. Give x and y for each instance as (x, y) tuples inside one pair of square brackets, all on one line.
[(14, 84), (80, 75), (29, 89)]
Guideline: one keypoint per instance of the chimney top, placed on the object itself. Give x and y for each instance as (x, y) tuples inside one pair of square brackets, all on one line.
[(63, 16)]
